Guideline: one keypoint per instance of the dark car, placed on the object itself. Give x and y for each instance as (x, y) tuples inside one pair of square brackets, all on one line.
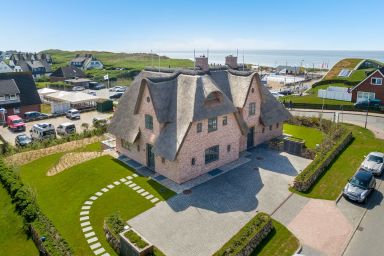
[(360, 186), (370, 103), (98, 87), (116, 96), (34, 115), (22, 140)]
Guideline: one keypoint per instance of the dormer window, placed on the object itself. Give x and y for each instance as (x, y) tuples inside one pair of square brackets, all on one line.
[(213, 97), (376, 80), (149, 122), (252, 109)]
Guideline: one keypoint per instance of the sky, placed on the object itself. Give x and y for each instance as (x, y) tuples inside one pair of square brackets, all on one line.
[(171, 25)]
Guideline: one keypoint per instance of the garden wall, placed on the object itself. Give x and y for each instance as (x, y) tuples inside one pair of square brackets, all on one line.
[(112, 240)]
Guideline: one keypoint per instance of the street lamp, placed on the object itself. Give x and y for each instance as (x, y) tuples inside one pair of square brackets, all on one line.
[(366, 116)]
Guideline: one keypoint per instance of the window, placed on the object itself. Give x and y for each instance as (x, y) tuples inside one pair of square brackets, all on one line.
[(12, 97), (270, 127), (277, 125), (253, 90), (212, 154), (225, 120), (125, 144), (138, 147), (228, 148), (376, 81), (163, 160), (212, 124), (263, 130), (2, 98), (199, 127), (193, 161), (149, 122), (148, 99), (252, 109), (16, 110)]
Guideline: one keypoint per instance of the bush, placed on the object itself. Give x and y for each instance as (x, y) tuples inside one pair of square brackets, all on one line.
[(116, 223), (135, 239), (30, 213)]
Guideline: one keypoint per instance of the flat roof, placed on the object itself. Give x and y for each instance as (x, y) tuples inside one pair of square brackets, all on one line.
[(78, 80), (71, 97)]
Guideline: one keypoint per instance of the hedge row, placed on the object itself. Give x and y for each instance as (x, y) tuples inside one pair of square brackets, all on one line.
[(247, 239), (334, 81), (25, 203)]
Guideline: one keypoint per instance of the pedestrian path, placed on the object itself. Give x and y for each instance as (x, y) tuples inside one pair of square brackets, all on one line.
[(85, 222)]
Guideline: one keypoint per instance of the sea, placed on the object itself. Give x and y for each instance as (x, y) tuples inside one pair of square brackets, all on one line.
[(273, 58)]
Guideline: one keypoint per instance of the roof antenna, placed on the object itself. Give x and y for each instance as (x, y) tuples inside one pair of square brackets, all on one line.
[(243, 60)]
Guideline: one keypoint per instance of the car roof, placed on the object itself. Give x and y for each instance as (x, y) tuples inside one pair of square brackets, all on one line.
[(13, 117), (376, 154), (362, 174), (67, 124), (73, 109), (22, 135)]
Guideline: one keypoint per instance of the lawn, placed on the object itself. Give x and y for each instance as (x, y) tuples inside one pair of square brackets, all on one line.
[(348, 63), (280, 242), (46, 108), (313, 99), (312, 136), (13, 239), (61, 196), (331, 183)]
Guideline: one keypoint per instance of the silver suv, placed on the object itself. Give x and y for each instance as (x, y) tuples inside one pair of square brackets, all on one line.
[(360, 186), (373, 163)]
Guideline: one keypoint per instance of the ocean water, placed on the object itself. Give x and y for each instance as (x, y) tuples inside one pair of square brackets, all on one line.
[(273, 58)]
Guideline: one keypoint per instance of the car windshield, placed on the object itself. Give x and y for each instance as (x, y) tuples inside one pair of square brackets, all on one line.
[(75, 112), (17, 121), (376, 159), (23, 138), (359, 183)]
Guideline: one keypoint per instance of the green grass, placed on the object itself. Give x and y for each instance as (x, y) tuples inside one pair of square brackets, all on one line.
[(135, 239), (280, 242), (313, 99), (311, 136), (331, 183), (349, 63), (46, 108), (61, 196), (13, 239)]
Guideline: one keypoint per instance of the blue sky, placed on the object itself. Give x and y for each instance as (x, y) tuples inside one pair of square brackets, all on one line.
[(131, 26)]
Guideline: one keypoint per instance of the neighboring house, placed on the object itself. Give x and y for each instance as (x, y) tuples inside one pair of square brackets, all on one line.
[(289, 70), (86, 61), (4, 68), (68, 72), (371, 87), (18, 93), (38, 64), (185, 123)]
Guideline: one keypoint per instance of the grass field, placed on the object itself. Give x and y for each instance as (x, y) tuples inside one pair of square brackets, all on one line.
[(313, 99), (61, 196), (311, 136), (45, 108), (13, 239), (331, 183), (280, 242)]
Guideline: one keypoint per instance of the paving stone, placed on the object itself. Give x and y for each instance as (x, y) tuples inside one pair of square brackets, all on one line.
[(89, 234), (123, 180), (128, 182), (135, 175), (85, 207), (136, 188), (93, 198), (91, 240), (116, 183), (132, 185), (99, 251), (87, 229), (84, 213), (98, 193), (84, 224), (140, 190), (145, 193), (129, 177), (149, 196), (88, 202), (110, 186), (84, 218), (106, 254), (154, 200), (94, 246), (104, 190)]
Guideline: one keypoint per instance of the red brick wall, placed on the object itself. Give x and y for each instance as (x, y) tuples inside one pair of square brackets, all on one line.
[(24, 109), (366, 86)]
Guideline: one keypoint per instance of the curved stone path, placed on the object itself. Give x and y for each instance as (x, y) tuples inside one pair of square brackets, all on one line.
[(85, 222)]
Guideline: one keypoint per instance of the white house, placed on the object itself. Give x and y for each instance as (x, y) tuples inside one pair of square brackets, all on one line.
[(4, 68)]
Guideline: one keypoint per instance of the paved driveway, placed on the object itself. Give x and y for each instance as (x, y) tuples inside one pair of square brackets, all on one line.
[(201, 222), (86, 117)]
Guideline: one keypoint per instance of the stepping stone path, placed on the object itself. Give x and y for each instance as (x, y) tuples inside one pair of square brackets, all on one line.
[(85, 223)]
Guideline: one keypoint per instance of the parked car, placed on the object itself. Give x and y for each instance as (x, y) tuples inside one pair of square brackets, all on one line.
[(373, 163), (22, 140), (114, 88), (73, 114), (34, 115), (285, 92), (15, 123), (121, 89), (42, 131), (371, 103), (92, 93), (116, 96), (66, 129), (360, 186), (98, 87), (78, 88), (276, 94)]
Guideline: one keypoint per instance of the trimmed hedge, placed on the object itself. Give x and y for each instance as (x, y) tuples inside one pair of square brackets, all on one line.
[(251, 234), (26, 206), (135, 239)]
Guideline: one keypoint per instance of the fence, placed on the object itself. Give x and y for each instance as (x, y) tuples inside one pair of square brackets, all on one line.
[(335, 93)]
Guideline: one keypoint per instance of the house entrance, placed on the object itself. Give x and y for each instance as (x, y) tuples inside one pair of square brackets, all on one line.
[(250, 137), (150, 157)]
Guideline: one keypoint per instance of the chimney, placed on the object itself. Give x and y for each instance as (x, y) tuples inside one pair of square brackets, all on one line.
[(202, 62), (231, 61)]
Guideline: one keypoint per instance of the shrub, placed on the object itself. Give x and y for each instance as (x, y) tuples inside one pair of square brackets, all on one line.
[(135, 239), (116, 223), (30, 213)]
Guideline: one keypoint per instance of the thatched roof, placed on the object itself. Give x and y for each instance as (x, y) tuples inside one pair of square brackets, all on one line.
[(179, 98)]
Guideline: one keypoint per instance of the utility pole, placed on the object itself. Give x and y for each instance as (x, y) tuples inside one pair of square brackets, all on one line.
[(366, 116)]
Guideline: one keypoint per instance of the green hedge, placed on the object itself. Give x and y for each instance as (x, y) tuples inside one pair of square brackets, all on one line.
[(115, 223), (334, 81), (242, 238), (26, 206), (135, 239)]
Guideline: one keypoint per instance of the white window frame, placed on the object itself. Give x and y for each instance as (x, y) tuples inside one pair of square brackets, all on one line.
[(378, 80), (16, 110), (361, 96), (2, 98), (12, 97)]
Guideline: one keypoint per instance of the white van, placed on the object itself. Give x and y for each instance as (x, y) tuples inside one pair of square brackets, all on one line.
[(73, 114), (42, 131), (66, 129)]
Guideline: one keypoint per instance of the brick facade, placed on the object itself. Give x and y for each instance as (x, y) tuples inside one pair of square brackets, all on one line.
[(228, 137), (367, 86), (23, 109)]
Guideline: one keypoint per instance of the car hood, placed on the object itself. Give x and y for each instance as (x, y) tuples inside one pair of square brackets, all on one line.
[(18, 125), (370, 165), (354, 190)]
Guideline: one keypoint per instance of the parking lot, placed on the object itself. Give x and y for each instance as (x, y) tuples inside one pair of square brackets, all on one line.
[(86, 117)]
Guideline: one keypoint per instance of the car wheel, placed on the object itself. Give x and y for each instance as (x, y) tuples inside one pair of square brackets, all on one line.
[(365, 200)]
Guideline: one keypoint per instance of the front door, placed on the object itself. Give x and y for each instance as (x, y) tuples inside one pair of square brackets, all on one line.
[(150, 157), (250, 137)]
